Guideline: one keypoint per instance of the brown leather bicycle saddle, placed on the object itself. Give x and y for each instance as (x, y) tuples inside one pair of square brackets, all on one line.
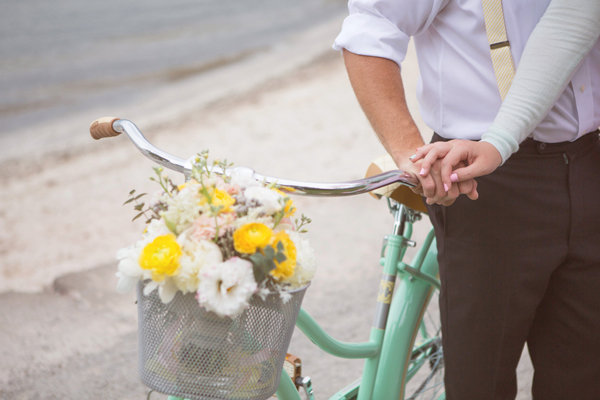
[(400, 193)]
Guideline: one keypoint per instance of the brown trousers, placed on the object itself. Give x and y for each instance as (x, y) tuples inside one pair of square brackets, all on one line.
[(522, 265)]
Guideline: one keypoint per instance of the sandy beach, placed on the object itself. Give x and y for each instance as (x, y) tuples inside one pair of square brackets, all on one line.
[(287, 111)]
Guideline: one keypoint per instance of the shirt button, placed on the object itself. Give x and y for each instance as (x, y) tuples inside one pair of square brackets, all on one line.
[(582, 88), (542, 146)]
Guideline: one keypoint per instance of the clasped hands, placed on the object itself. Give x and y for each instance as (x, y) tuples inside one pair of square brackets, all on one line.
[(448, 169)]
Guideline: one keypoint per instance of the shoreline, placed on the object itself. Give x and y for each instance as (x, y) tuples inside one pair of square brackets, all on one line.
[(178, 93), (62, 199)]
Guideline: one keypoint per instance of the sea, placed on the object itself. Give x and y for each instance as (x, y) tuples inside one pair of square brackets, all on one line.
[(62, 56)]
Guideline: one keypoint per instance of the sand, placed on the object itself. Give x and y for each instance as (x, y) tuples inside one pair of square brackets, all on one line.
[(287, 112)]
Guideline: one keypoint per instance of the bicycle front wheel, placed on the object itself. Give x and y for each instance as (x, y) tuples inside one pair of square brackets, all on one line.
[(425, 373)]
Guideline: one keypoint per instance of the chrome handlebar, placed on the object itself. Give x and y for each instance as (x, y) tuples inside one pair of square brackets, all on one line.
[(294, 187)]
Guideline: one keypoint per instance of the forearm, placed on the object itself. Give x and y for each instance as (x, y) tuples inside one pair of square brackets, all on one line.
[(564, 35), (378, 86)]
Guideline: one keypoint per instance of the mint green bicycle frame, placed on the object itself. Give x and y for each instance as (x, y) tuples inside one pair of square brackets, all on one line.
[(390, 346), (398, 317)]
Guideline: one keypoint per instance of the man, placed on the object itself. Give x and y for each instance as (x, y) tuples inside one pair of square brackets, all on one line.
[(520, 264)]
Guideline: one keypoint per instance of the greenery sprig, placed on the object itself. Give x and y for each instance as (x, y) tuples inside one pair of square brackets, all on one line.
[(264, 262), (150, 212)]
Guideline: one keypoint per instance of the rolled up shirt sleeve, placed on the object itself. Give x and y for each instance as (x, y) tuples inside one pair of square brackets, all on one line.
[(382, 28)]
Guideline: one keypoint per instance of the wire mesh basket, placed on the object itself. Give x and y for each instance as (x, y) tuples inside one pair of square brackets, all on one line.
[(188, 352)]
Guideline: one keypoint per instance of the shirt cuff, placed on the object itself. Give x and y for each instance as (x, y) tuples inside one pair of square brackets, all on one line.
[(371, 35)]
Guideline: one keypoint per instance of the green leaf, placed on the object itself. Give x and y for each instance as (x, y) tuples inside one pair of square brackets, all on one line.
[(279, 247), (261, 266), (137, 216), (258, 268), (280, 257), (269, 252)]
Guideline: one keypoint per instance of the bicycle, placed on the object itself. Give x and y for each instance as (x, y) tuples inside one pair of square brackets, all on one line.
[(403, 356)]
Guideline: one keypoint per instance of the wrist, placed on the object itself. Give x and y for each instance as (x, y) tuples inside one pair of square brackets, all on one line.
[(492, 154)]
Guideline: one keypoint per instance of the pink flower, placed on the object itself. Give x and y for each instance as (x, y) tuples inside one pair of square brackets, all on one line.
[(205, 227), (229, 188)]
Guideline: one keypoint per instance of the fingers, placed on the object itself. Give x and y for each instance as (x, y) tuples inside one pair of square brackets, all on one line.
[(466, 173), (473, 194), (483, 159), (468, 188), (448, 169), (460, 155), (435, 190), (421, 152), (429, 154)]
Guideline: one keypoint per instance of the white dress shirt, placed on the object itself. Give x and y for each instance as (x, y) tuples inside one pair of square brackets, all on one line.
[(457, 91)]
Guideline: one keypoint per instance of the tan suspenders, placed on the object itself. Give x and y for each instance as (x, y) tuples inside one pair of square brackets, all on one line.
[(504, 67)]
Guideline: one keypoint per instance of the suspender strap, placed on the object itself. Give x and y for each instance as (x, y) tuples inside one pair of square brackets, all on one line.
[(504, 67)]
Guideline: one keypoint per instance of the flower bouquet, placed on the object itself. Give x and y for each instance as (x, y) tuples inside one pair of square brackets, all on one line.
[(221, 269)]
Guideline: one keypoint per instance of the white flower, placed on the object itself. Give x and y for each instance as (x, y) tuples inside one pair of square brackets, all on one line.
[(226, 288), (306, 265), (129, 271), (243, 177), (270, 201), (197, 254), (183, 208), (285, 296), (155, 228), (166, 289)]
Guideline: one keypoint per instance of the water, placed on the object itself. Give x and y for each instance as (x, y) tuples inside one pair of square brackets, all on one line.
[(62, 56)]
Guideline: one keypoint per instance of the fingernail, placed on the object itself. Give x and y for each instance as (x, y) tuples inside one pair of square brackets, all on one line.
[(412, 157), (454, 177), (445, 187), (422, 172)]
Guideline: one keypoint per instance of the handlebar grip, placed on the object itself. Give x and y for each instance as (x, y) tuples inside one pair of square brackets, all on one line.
[(103, 127)]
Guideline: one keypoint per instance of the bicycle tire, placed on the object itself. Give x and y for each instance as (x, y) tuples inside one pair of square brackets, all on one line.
[(426, 364)]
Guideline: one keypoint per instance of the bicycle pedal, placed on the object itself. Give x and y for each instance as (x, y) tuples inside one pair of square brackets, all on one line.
[(293, 367), (305, 383)]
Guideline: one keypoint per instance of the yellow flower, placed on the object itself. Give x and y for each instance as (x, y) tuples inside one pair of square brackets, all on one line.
[(284, 269), (288, 208), (248, 238), (222, 198), (218, 198), (184, 184), (161, 256)]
